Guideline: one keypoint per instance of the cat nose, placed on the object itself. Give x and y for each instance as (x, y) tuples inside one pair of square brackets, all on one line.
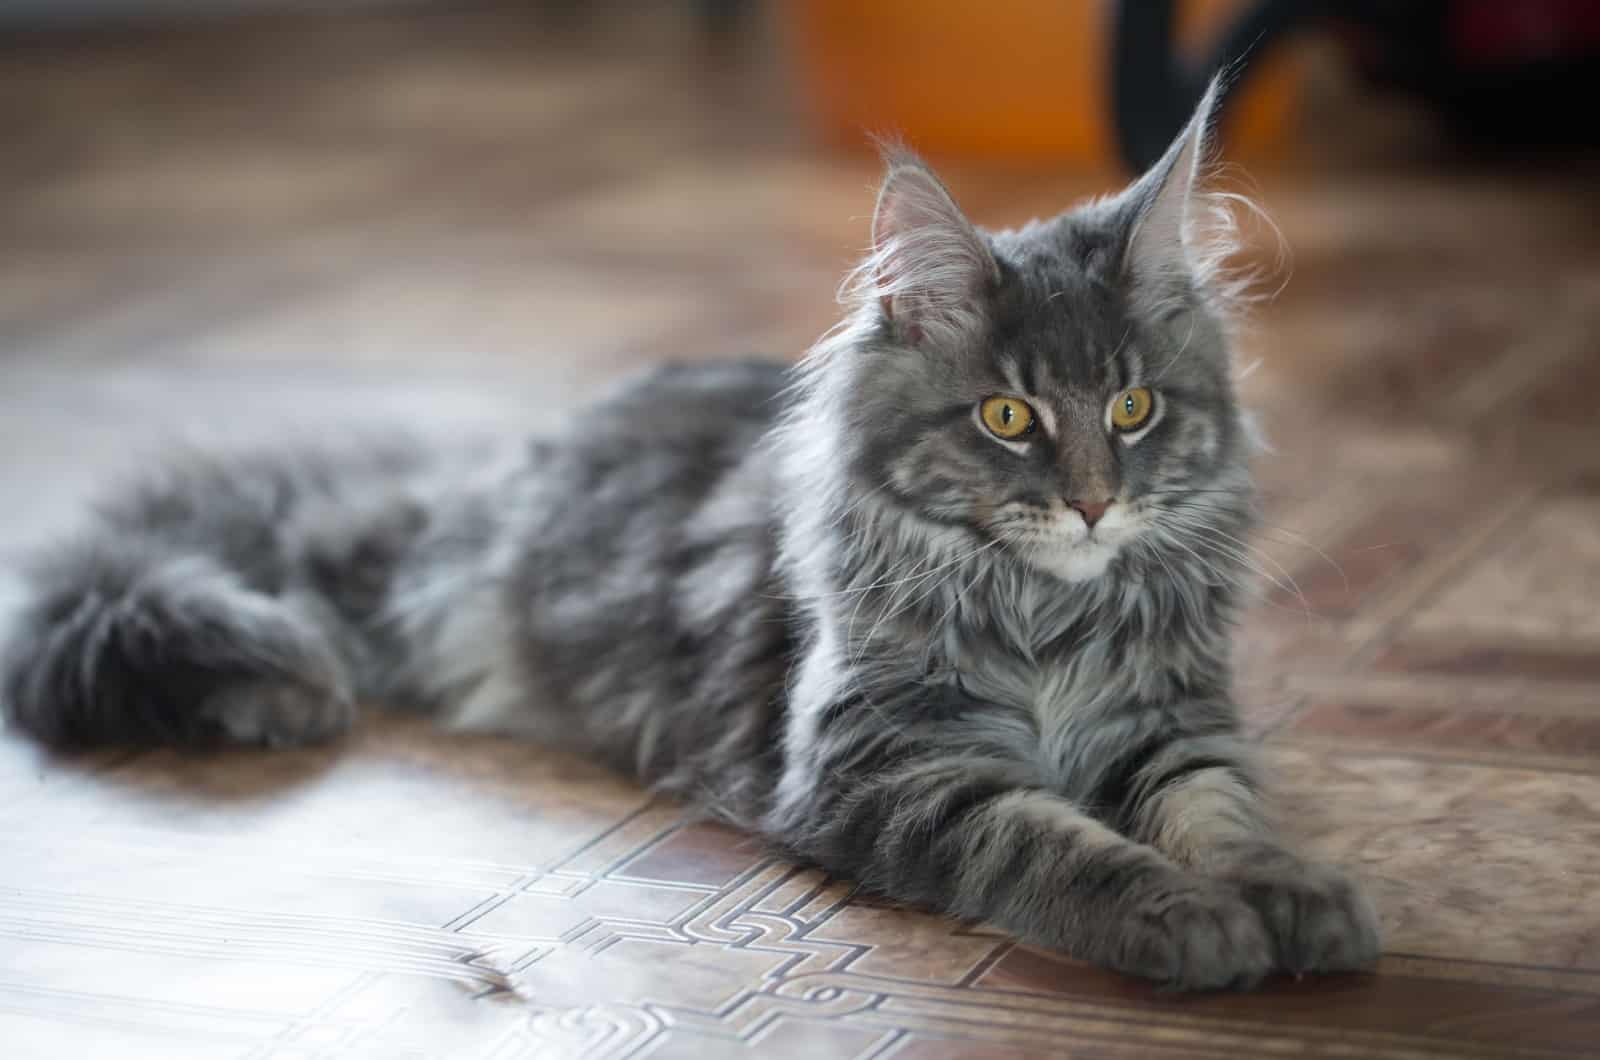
[(1090, 510)]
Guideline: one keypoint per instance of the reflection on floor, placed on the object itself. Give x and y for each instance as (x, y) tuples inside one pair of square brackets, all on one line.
[(468, 220)]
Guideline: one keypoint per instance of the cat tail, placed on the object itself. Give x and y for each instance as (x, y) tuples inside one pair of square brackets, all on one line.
[(131, 640)]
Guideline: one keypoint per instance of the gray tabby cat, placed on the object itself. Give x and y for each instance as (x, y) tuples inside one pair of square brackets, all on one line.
[(945, 610)]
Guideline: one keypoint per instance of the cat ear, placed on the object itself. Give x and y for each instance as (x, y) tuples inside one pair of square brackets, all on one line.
[(929, 266), (1165, 259)]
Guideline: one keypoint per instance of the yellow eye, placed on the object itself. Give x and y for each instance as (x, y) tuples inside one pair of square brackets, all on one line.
[(1007, 417), (1131, 408)]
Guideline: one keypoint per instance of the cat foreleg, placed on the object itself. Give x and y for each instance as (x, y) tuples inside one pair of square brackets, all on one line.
[(1198, 801), (945, 833)]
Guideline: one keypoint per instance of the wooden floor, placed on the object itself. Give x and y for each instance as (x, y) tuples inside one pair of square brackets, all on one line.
[(472, 219)]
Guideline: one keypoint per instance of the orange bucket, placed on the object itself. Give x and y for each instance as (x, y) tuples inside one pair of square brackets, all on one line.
[(1013, 79)]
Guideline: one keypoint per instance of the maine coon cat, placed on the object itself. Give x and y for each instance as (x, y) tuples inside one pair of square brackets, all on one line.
[(946, 609)]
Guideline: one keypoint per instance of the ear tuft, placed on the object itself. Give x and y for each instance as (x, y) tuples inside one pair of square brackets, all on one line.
[(929, 267), (1183, 236)]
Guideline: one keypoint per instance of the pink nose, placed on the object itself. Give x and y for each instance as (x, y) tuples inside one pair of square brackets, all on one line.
[(1090, 510)]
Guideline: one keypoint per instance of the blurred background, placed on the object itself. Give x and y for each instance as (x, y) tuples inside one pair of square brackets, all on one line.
[(286, 216)]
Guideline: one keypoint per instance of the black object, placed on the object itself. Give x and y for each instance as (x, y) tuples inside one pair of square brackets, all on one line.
[(1501, 73), (1154, 89)]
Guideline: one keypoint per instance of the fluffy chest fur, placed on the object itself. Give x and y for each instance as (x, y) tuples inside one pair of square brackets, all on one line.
[(1094, 676), (992, 657), (1090, 697)]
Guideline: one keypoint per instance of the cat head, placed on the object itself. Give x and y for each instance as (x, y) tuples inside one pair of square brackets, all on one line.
[(1062, 391)]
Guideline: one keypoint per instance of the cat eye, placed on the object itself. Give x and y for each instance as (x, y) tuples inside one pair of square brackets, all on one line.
[(1131, 409), (1006, 417)]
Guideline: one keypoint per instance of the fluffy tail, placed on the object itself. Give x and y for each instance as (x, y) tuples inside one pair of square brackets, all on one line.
[(121, 643), (228, 601)]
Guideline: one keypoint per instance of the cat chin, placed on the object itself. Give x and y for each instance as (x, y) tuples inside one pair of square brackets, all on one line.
[(1083, 561)]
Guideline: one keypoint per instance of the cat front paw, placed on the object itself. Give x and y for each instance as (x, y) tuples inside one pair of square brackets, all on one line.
[(1196, 935), (1320, 921)]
